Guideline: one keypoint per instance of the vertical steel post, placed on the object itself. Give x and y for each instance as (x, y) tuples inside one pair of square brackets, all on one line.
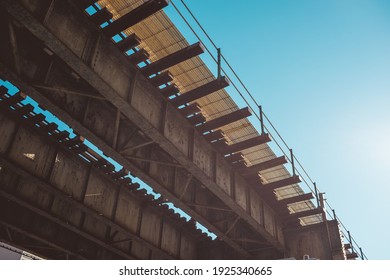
[(334, 214), (316, 194), (261, 120), (219, 63), (292, 161), (350, 241)]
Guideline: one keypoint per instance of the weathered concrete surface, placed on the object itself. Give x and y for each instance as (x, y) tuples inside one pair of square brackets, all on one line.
[(316, 242), (180, 164), (194, 154), (67, 196)]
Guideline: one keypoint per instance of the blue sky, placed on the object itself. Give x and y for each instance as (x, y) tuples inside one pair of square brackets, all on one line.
[(321, 71)]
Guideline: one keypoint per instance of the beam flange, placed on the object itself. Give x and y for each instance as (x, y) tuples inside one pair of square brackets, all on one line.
[(201, 91), (173, 59), (135, 16), (224, 120)]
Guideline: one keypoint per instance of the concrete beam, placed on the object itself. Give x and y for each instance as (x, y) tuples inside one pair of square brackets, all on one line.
[(137, 171), (136, 115), (63, 224)]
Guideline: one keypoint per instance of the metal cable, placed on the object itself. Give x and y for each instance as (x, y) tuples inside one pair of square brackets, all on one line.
[(255, 102)]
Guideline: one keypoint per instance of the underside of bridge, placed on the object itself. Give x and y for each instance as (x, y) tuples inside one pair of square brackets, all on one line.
[(125, 79)]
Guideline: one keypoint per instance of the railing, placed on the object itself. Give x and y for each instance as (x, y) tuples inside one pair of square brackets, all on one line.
[(245, 94)]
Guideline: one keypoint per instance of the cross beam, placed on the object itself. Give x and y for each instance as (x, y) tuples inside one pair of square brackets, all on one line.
[(297, 198), (201, 91), (258, 140), (135, 16), (160, 79), (173, 59), (128, 43), (254, 169), (281, 183), (224, 120)]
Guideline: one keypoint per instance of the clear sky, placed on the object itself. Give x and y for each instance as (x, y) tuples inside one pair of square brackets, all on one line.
[(321, 71)]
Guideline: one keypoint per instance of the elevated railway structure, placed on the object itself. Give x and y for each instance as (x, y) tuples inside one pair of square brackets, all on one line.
[(125, 79)]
